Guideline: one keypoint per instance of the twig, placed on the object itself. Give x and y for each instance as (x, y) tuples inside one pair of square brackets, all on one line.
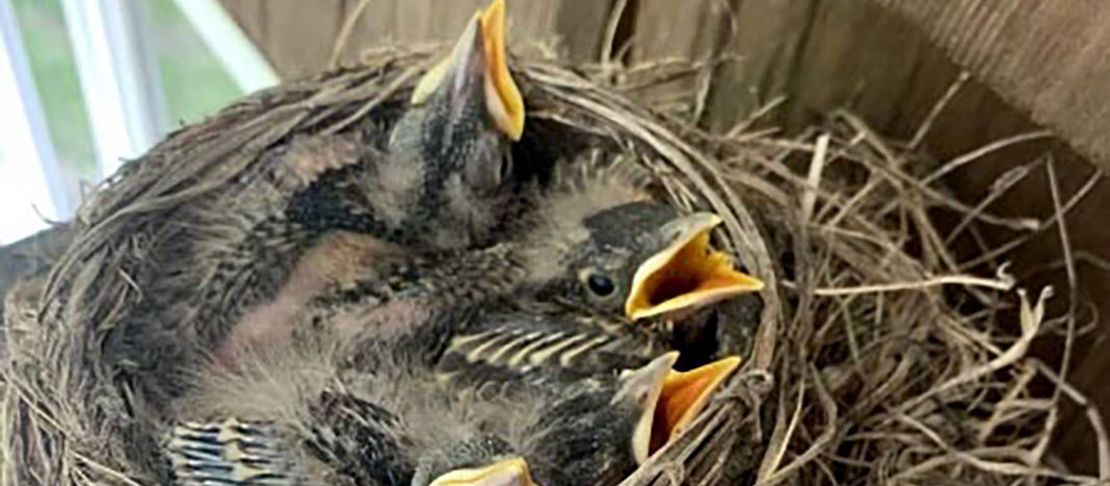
[(345, 33), (1073, 282), (970, 458), (1012, 395), (813, 179), (1030, 319), (755, 116), (605, 57), (704, 81), (1093, 416), (1000, 187), (824, 439), (385, 93), (984, 150), (1087, 187), (938, 108), (961, 280), (898, 178), (1081, 256), (780, 438)]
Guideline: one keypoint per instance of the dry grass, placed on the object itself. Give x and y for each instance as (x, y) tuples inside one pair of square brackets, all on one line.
[(878, 360), (892, 365)]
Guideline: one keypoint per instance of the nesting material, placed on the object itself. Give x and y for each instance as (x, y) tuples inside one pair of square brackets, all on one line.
[(878, 358)]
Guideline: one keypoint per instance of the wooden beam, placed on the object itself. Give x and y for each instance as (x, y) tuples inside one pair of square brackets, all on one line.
[(1048, 57), (298, 37)]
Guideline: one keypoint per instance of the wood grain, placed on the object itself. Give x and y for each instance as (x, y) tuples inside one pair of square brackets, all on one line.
[(1049, 57), (298, 36)]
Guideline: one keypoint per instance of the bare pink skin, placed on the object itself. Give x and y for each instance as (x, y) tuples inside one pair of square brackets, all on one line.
[(333, 263), (389, 319)]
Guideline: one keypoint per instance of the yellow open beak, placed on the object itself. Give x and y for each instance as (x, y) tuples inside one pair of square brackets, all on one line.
[(503, 99), (509, 472), (684, 396), (686, 274), (671, 400)]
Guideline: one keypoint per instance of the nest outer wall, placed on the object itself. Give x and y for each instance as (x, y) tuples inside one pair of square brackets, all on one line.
[(876, 359)]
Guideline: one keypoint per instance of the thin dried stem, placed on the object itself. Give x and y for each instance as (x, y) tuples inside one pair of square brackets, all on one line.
[(938, 108), (813, 180), (957, 280), (1102, 438), (980, 152), (344, 36)]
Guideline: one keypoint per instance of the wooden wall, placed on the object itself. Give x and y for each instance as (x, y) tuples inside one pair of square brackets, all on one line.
[(298, 36), (1049, 57), (873, 57)]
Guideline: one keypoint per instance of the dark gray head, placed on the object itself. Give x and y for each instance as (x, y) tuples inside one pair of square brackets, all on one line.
[(443, 181), (636, 260)]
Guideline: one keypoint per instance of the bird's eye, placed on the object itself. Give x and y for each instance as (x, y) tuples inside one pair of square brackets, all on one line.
[(600, 285)]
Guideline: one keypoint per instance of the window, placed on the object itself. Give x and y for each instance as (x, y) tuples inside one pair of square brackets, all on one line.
[(150, 69)]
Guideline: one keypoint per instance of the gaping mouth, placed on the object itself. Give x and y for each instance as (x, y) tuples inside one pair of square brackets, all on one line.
[(509, 472), (675, 400), (684, 396), (687, 273)]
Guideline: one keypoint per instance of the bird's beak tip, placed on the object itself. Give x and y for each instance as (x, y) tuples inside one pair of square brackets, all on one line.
[(509, 472), (503, 98)]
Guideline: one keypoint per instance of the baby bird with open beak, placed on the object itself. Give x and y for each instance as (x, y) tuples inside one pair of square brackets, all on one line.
[(592, 435), (525, 343), (286, 421), (597, 256)]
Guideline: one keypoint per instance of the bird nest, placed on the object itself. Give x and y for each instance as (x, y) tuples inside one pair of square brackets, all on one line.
[(875, 360)]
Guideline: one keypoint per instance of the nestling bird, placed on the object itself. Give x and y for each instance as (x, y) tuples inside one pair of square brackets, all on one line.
[(595, 436), (444, 182), (301, 421), (642, 262), (416, 325), (596, 255)]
